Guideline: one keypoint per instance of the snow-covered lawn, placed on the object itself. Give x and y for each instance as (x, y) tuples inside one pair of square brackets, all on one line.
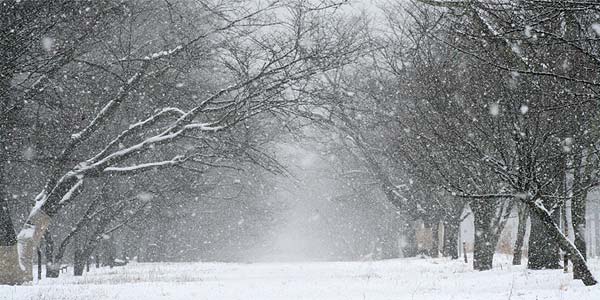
[(390, 279)]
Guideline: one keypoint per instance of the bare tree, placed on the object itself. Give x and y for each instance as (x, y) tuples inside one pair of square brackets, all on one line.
[(519, 54), (257, 72)]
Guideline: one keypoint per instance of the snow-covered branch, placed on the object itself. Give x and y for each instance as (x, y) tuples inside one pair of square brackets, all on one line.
[(109, 108), (146, 166), (136, 128), (484, 196), (72, 192)]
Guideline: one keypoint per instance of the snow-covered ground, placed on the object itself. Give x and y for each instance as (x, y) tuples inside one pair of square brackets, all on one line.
[(391, 279)]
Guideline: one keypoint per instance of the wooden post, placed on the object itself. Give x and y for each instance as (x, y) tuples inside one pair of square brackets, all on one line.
[(39, 258)]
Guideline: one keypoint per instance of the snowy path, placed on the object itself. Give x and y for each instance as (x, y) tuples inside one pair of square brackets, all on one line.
[(392, 279)]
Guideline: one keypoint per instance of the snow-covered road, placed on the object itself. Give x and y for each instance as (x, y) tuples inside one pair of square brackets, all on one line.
[(391, 279)]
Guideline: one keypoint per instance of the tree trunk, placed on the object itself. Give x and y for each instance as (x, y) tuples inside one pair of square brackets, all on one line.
[(553, 231), (8, 238), (110, 252), (484, 242), (31, 233), (543, 248), (16, 260), (484, 247), (521, 228), (450, 247), (78, 262), (578, 218), (29, 238), (435, 240), (52, 265), (10, 272), (84, 255), (581, 178), (409, 248), (565, 222), (16, 251)]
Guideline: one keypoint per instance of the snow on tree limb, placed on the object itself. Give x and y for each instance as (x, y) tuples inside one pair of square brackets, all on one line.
[(164, 53), (203, 127), (136, 128), (108, 109), (271, 78), (74, 190), (111, 107), (146, 166)]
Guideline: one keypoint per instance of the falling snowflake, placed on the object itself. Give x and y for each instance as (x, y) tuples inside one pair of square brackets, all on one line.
[(567, 145), (145, 196), (494, 109), (28, 153), (524, 109), (47, 43), (596, 28), (528, 31)]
